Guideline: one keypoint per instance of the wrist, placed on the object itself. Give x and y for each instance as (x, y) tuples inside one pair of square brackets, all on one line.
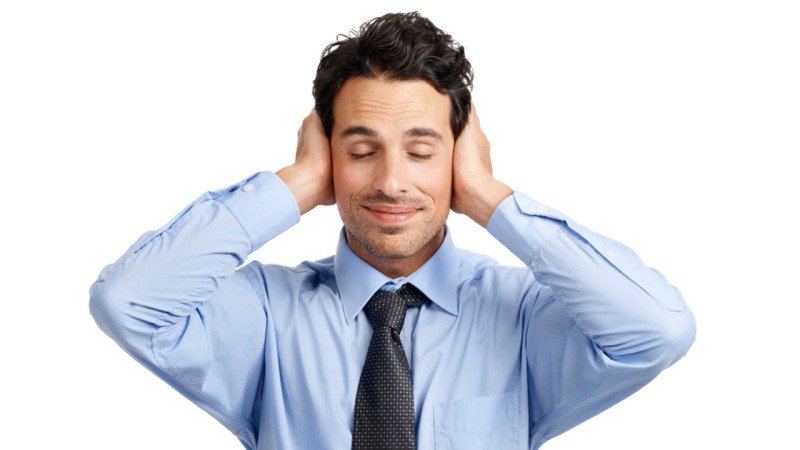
[(304, 186), (481, 202)]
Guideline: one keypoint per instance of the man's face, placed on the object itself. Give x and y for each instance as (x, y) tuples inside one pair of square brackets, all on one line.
[(392, 153)]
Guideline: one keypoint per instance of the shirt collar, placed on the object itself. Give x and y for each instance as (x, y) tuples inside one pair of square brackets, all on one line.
[(357, 280)]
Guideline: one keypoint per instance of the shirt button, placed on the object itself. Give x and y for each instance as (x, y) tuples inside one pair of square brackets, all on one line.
[(541, 209), (247, 187)]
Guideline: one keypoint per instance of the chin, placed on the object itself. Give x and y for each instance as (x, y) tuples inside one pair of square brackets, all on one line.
[(391, 245), (393, 242)]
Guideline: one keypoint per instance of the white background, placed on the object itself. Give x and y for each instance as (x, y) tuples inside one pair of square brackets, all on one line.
[(671, 126)]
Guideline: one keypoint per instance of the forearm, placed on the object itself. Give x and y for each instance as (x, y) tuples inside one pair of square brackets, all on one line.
[(625, 308), (165, 276)]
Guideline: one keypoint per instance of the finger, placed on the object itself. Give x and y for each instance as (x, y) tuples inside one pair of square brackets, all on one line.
[(316, 120), (473, 114)]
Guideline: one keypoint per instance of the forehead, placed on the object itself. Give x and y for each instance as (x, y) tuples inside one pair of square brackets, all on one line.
[(388, 106)]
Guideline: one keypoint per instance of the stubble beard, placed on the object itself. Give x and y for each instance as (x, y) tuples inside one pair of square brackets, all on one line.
[(393, 242)]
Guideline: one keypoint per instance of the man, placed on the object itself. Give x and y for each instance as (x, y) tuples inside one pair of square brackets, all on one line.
[(479, 356)]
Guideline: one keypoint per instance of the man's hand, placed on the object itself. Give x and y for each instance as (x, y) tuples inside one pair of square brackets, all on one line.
[(310, 178), (475, 191)]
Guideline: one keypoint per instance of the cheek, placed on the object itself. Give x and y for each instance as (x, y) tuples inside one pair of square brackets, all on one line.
[(349, 180), (439, 184), (341, 188), (341, 177)]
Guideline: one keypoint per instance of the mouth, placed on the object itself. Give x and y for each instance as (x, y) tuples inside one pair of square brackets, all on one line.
[(391, 214)]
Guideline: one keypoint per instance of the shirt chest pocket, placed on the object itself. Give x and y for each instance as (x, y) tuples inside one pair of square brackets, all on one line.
[(478, 423)]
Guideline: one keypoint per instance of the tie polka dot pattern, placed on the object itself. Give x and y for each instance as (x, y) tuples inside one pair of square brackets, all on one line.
[(384, 413)]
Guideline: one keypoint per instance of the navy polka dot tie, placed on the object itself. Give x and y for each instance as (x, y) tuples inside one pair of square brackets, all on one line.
[(384, 416)]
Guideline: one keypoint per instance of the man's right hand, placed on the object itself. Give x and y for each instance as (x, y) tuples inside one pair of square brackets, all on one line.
[(310, 178)]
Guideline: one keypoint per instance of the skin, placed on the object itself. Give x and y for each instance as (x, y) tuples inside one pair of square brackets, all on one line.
[(394, 170)]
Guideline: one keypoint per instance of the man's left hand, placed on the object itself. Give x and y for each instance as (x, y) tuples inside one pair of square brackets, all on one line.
[(476, 193)]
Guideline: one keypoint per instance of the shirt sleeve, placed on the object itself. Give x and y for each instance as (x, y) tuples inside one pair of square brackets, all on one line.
[(602, 325), (176, 302)]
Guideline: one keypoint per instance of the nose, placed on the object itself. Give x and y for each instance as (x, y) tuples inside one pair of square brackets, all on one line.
[(391, 174)]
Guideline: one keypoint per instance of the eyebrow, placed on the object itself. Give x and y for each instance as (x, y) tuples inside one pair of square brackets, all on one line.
[(423, 132), (360, 130)]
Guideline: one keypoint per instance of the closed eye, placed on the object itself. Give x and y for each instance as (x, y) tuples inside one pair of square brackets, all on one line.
[(358, 156)]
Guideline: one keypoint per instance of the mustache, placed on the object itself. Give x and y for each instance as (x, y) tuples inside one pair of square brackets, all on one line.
[(381, 198)]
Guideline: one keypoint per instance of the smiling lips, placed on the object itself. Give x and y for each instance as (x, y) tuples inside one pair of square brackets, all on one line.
[(391, 214)]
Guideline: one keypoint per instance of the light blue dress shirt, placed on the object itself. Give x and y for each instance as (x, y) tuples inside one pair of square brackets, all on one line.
[(501, 357)]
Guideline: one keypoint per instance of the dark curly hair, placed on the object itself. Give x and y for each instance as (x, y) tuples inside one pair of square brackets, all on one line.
[(399, 47)]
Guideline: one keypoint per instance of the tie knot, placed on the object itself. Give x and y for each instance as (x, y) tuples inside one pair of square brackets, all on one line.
[(388, 309)]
